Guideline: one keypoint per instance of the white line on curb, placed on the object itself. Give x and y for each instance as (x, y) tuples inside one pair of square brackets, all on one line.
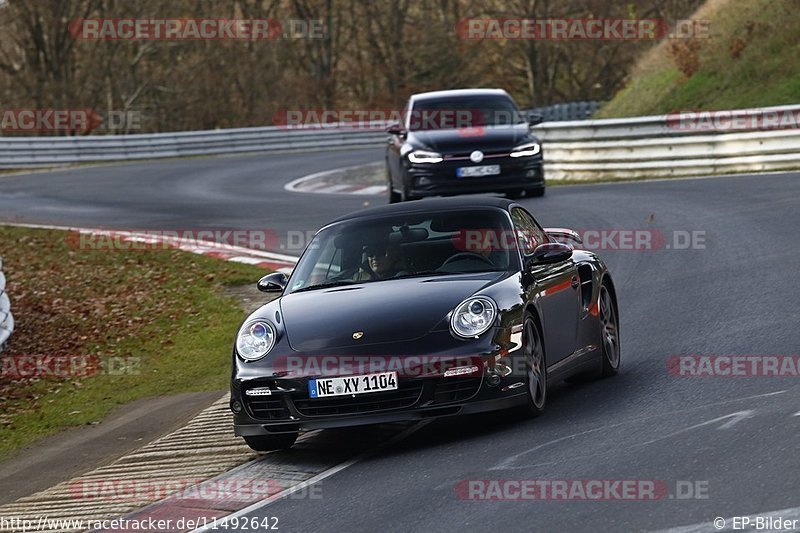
[(374, 189), (318, 185)]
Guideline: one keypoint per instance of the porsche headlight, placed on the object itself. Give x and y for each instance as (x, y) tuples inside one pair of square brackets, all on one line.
[(526, 150), (423, 156), (255, 340), (473, 316)]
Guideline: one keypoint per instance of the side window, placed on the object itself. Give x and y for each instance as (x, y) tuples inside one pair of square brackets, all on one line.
[(529, 234), (328, 264)]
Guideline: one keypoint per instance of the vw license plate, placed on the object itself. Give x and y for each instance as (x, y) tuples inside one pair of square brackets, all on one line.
[(484, 170), (324, 387)]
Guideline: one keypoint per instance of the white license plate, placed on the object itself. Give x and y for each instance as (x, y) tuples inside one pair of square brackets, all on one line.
[(325, 387), (484, 170)]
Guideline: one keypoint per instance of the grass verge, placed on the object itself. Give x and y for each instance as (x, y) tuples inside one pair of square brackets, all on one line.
[(113, 327), (748, 60)]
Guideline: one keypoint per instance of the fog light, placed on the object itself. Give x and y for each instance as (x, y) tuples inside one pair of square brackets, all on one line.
[(423, 181), (261, 391), (493, 379), (461, 370), (236, 406), (531, 173)]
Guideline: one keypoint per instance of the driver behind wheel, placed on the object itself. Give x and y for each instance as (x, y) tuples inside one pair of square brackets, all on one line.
[(383, 261), (488, 245)]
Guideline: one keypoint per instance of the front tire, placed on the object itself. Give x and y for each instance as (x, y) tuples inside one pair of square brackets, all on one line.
[(405, 197), (535, 193), (394, 197), (535, 368), (609, 331), (268, 443)]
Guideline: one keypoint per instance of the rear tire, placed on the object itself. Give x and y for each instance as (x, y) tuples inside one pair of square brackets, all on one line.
[(267, 443), (609, 365), (609, 331), (535, 369)]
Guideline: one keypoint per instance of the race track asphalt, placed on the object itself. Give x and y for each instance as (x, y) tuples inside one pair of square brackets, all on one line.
[(733, 440)]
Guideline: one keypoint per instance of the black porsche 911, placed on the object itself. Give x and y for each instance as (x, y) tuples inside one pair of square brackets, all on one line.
[(419, 310), (463, 141)]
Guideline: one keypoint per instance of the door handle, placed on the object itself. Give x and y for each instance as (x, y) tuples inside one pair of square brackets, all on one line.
[(575, 282)]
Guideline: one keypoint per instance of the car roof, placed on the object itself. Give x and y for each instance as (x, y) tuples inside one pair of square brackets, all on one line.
[(458, 92), (431, 205)]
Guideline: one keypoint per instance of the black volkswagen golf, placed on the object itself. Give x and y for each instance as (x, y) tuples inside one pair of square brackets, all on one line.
[(421, 310), (463, 141)]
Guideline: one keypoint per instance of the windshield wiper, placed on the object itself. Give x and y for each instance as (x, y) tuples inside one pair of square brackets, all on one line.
[(327, 284), (422, 273), (446, 273)]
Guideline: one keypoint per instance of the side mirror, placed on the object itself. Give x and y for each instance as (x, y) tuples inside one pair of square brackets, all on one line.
[(535, 118), (395, 129), (550, 252), (274, 282)]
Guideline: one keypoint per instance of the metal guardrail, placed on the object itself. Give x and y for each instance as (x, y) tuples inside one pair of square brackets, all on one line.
[(566, 111), (38, 152), (651, 146), (6, 318), (31, 152), (664, 145)]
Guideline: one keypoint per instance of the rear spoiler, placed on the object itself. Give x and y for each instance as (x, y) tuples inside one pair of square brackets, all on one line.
[(564, 234)]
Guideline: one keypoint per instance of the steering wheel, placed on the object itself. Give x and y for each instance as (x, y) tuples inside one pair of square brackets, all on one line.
[(351, 272), (468, 255)]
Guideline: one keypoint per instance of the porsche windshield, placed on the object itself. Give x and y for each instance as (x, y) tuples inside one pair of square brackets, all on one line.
[(407, 245)]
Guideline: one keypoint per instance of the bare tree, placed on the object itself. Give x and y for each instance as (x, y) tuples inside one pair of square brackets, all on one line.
[(373, 54)]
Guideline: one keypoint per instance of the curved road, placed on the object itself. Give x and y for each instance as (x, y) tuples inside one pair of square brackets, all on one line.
[(732, 440)]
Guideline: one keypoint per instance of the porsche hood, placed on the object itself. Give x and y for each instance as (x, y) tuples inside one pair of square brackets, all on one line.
[(388, 311)]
